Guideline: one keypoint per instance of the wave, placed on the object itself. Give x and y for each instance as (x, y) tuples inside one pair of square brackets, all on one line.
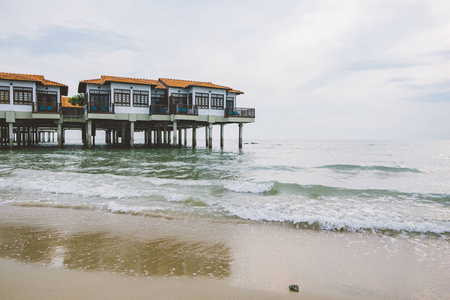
[(343, 167)]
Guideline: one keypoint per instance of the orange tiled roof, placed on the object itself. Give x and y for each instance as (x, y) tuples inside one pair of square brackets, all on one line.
[(106, 78), (185, 83), (65, 102), (35, 78), (235, 91)]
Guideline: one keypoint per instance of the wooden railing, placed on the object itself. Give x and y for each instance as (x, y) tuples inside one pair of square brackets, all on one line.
[(239, 112), (184, 109), (100, 108), (159, 110), (45, 107), (72, 111)]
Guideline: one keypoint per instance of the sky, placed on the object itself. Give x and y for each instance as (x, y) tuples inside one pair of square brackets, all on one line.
[(314, 69)]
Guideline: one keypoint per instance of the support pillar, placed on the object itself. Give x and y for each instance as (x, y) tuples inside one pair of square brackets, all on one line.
[(221, 135), (59, 135), (88, 134), (179, 137), (185, 136), (175, 131), (131, 134), (165, 134), (240, 135), (210, 135), (207, 136), (11, 135), (194, 137), (30, 138)]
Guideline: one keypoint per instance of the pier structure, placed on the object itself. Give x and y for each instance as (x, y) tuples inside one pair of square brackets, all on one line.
[(164, 110)]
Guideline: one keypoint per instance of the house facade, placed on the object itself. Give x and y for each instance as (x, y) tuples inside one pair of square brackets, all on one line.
[(120, 106), (26, 102)]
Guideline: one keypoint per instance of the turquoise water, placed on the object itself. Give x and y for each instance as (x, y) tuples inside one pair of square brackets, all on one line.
[(382, 186)]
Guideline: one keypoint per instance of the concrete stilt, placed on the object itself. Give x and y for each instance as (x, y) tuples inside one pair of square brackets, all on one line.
[(240, 135), (89, 134), (210, 135), (206, 136), (165, 134), (59, 135), (194, 137), (185, 136), (175, 132), (180, 142), (11, 135), (131, 134), (221, 135)]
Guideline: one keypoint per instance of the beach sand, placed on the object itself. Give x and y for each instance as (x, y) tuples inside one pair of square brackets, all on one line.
[(60, 253)]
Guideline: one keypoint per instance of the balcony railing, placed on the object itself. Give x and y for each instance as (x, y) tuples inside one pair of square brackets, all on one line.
[(184, 109), (159, 110), (239, 112), (45, 107), (72, 111), (106, 108)]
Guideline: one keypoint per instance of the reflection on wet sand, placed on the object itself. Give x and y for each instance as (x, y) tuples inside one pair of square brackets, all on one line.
[(103, 251)]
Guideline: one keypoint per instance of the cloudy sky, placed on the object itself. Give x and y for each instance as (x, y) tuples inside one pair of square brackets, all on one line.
[(312, 69)]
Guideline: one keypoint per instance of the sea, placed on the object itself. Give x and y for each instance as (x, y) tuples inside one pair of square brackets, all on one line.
[(387, 187)]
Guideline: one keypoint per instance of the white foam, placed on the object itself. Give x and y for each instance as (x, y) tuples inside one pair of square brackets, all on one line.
[(248, 186)]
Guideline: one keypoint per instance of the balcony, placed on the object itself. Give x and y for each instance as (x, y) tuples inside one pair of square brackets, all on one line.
[(239, 112), (45, 107), (72, 111), (100, 107), (159, 110), (184, 109)]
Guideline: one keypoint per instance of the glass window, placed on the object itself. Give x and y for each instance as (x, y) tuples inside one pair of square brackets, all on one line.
[(140, 98), (158, 99), (202, 100), (23, 95), (217, 101), (4, 94), (121, 97), (230, 102)]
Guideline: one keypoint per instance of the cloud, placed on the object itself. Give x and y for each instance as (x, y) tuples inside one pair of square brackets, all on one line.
[(67, 41), (432, 97), (382, 64)]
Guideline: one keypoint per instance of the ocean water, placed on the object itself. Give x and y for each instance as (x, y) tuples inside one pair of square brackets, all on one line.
[(337, 185)]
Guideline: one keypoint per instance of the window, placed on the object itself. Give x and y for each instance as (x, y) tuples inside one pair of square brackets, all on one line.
[(121, 97), (158, 99), (4, 94), (202, 100), (46, 97), (23, 95), (99, 100), (230, 102), (216, 101), (140, 98), (178, 98)]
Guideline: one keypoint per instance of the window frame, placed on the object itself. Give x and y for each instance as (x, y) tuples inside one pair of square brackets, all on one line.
[(122, 97), (217, 101), (202, 100), (23, 95), (5, 97), (140, 98)]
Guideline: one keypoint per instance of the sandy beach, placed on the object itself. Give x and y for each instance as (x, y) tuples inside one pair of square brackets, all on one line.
[(57, 253)]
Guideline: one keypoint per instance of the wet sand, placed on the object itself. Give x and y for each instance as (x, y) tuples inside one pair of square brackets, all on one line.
[(60, 253)]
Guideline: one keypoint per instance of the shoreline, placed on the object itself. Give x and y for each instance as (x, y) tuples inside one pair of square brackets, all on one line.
[(138, 255)]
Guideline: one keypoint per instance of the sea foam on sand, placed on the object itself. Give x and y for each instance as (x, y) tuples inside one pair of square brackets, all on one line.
[(98, 255)]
